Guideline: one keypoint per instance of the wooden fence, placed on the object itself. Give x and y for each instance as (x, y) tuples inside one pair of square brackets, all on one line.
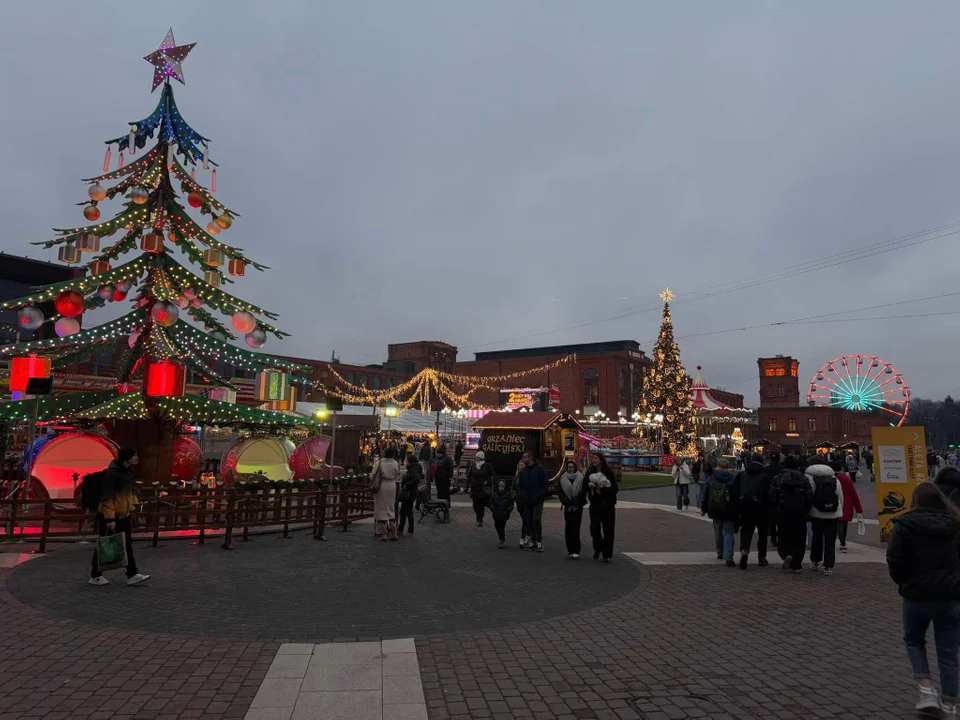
[(180, 512)]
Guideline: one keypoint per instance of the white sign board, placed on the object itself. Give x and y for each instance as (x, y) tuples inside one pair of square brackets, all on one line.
[(893, 464)]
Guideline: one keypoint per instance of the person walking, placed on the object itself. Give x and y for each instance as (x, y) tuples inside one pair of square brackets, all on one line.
[(682, 477), (480, 480), (721, 502), (409, 488), (573, 498), (602, 492), (791, 498), (851, 502), (868, 461), (532, 487), (773, 468), (924, 562), (383, 483), (442, 473), (501, 505), (457, 453), (825, 514), (425, 455), (754, 509), (118, 500), (851, 465), (699, 470)]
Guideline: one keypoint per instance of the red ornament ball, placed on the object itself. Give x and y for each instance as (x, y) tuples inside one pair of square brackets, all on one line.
[(195, 199), (91, 213), (69, 303), (118, 295)]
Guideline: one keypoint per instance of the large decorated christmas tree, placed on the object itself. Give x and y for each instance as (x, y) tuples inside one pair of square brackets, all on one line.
[(666, 391), (174, 283)]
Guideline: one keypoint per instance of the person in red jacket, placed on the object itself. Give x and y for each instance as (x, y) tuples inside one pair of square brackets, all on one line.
[(851, 502)]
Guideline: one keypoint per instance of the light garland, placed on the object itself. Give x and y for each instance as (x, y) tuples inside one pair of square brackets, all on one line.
[(101, 333), (133, 270)]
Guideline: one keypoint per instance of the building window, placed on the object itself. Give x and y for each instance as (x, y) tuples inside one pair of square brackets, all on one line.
[(781, 392), (772, 425), (624, 391), (363, 380), (792, 424), (350, 378), (811, 423), (591, 387), (376, 382)]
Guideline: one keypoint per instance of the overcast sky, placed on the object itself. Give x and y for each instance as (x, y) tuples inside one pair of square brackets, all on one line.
[(483, 173)]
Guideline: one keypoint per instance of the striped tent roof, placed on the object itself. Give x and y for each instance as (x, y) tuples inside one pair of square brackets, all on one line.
[(701, 397)]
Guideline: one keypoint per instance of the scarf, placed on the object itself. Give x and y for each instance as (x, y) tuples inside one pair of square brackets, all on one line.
[(572, 484), (478, 464)]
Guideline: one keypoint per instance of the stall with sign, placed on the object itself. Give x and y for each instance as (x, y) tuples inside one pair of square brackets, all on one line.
[(552, 437)]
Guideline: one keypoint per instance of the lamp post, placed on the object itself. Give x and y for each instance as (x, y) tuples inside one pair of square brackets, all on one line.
[(391, 412), (321, 414)]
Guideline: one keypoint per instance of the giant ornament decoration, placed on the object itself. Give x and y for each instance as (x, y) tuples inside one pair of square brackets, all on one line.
[(256, 338), (66, 326), (69, 303), (105, 291), (164, 313), (30, 318), (224, 221), (91, 213), (181, 302), (213, 228), (132, 338), (139, 195), (97, 192), (195, 199), (243, 322)]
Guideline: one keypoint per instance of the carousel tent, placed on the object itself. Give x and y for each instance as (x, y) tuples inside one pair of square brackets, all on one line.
[(701, 397)]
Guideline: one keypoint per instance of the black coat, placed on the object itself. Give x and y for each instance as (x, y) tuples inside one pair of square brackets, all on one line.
[(948, 480), (924, 555), (576, 502), (754, 484), (482, 480), (444, 470)]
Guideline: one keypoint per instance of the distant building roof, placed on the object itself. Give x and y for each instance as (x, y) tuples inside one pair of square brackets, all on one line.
[(598, 348)]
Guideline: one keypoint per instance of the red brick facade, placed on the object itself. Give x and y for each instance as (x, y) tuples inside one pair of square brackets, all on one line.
[(423, 354)]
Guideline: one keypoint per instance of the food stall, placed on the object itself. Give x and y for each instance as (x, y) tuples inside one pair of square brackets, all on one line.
[(552, 437)]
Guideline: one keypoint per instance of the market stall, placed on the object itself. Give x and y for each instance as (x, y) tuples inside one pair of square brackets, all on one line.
[(552, 437)]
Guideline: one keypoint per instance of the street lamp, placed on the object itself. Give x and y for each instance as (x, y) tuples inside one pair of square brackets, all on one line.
[(391, 412)]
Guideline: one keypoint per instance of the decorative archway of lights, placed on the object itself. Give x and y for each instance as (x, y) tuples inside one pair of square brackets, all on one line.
[(862, 383)]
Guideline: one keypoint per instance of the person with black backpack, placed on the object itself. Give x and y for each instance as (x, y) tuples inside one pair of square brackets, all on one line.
[(409, 488), (824, 516), (721, 501), (754, 508), (791, 499)]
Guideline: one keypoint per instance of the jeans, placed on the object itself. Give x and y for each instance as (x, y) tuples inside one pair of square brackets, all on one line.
[(723, 535), (824, 545), (501, 526), (479, 505), (753, 517), (533, 521), (792, 541), (406, 514), (571, 529), (122, 525), (683, 496), (603, 521), (945, 615), (699, 494)]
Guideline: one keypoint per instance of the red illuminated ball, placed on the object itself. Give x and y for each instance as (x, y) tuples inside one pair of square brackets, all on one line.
[(69, 303)]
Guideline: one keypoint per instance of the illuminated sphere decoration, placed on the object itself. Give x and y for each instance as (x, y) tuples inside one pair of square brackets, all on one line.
[(105, 291), (30, 318), (66, 326), (196, 303), (181, 302), (225, 221), (213, 228), (132, 338), (195, 199), (96, 192), (164, 313), (256, 338), (124, 286), (69, 303), (189, 293), (139, 195), (91, 213), (118, 295), (243, 322)]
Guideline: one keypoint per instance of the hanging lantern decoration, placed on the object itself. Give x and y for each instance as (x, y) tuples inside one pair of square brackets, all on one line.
[(106, 160), (25, 369), (124, 286), (69, 303), (213, 180), (96, 192), (132, 338), (69, 254), (88, 242), (165, 379), (30, 317), (151, 242), (99, 266), (213, 257), (213, 228), (105, 291), (224, 221), (213, 278), (272, 385), (171, 154), (139, 195), (118, 295), (256, 338), (181, 302), (172, 236), (195, 199), (206, 155), (196, 303), (132, 140), (189, 293), (66, 326), (236, 267), (91, 213), (243, 322), (164, 313)]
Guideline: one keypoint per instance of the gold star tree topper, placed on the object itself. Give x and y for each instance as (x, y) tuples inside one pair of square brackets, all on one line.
[(667, 295), (166, 60)]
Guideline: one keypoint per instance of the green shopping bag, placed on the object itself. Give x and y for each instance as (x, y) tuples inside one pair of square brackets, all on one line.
[(111, 551)]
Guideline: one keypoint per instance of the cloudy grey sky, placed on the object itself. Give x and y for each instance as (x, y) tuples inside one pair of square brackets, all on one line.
[(484, 172)]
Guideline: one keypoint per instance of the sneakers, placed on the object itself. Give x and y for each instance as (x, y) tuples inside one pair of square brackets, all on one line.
[(929, 700), (719, 556), (731, 563), (137, 579), (523, 543), (948, 711), (762, 562), (843, 548), (596, 556), (606, 561), (815, 566), (575, 556), (828, 571), (743, 560), (786, 562), (500, 546), (539, 547), (98, 581)]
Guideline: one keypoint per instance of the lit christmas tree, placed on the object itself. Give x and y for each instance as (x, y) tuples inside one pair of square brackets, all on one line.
[(666, 391), (162, 345)]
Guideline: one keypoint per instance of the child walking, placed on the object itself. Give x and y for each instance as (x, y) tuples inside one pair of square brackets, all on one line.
[(501, 505)]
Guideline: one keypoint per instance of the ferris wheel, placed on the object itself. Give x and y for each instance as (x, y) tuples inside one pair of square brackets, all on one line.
[(862, 383)]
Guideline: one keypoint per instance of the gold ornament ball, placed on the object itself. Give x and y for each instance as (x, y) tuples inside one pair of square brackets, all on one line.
[(139, 195), (213, 228), (225, 221), (91, 213), (96, 192)]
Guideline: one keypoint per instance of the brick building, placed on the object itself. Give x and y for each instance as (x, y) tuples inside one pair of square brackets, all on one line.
[(787, 422), (413, 357)]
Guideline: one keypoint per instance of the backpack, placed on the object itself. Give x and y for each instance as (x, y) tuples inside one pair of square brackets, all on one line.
[(792, 502), (718, 498), (825, 494), (91, 490)]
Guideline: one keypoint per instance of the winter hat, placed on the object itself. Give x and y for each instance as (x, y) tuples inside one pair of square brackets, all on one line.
[(480, 455), (790, 462), (815, 471), (126, 454), (757, 457)]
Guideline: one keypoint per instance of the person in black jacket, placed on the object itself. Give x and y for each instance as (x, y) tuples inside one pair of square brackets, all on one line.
[(791, 498), (924, 561), (772, 469), (754, 504), (602, 491), (573, 497), (501, 505), (443, 473), (409, 489), (481, 480), (948, 480)]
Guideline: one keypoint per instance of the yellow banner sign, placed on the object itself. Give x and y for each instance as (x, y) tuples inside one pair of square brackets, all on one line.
[(900, 464)]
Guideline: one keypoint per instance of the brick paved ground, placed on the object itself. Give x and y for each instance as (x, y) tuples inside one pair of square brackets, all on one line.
[(618, 641)]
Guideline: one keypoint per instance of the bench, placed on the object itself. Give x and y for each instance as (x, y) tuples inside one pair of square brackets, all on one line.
[(440, 509)]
